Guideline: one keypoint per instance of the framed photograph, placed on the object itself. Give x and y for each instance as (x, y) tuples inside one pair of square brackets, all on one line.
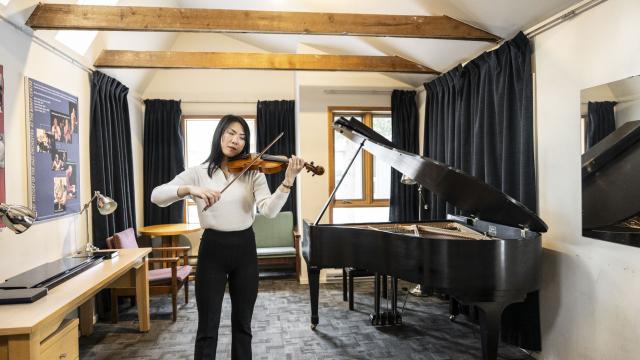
[(73, 117), (45, 141), (59, 194), (71, 174), (1, 92), (2, 109), (61, 127), (58, 158), (54, 151)]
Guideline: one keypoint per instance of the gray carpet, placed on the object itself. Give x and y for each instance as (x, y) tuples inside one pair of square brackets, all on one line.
[(281, 329)]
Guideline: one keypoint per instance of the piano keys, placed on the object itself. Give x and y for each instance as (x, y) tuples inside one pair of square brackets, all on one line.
[(489, 258)]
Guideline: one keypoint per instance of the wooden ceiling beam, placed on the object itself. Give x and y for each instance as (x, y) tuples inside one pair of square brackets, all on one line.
[(256, 61), (131, 18)]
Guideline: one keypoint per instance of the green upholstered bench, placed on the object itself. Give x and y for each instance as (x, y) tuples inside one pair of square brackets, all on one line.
[(277, 242)]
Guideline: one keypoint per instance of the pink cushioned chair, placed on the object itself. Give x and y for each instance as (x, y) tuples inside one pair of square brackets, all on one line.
[(166, 280)]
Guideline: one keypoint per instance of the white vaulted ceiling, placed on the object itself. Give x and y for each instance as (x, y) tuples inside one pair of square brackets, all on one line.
[(500, 17)]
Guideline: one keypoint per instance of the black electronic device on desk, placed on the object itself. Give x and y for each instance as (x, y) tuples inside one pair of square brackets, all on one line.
[(33, 284), (489, 258), (105, 254), (610, 191)]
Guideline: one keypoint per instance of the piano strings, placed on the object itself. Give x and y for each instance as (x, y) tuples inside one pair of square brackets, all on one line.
[(634, 222), (442, 230)]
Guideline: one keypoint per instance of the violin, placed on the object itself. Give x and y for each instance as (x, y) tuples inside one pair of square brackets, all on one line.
[(268, 164)]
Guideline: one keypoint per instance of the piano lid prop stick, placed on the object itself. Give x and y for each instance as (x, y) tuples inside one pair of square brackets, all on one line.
[(335, 189)]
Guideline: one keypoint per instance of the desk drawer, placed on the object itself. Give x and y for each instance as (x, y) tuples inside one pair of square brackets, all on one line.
[(62, 344)]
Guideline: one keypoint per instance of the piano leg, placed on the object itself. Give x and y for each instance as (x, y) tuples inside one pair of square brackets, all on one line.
[(350, 292), (490, 316), (314, 287), (454, 309), (375, 317), (344, 284), (397, 317), (384, 287)]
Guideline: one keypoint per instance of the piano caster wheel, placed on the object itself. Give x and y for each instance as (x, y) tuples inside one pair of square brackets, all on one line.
[(313, 326), (452, 318)]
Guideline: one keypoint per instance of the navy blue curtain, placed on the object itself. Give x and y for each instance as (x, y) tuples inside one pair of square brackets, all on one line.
[(110, 156), (272, 118), (403, 201), (601, 121), (479, 119), (163, 158)]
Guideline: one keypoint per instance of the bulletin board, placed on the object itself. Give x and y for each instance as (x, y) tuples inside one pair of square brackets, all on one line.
[(54, 150)]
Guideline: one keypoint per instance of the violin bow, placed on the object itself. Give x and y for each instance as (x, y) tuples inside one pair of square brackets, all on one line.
[(248, 166)]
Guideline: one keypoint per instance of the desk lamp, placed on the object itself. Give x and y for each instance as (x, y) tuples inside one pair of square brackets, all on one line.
[(106, 206)]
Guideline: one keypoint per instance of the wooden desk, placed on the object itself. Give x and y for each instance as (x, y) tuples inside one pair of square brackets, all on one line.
[(34, 331)]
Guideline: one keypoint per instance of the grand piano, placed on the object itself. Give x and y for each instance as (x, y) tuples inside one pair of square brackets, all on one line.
[(489, 258), (610, 191)]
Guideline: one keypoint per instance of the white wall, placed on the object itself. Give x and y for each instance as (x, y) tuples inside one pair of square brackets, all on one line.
[(226, 91), (49, 240), (627, 111), (590, 292), (422, 109), (136, 117)]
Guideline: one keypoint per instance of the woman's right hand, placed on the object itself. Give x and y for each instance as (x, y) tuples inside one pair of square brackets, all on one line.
[(209, 196)]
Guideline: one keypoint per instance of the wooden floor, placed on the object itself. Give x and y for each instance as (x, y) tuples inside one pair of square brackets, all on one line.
[(281, 329)]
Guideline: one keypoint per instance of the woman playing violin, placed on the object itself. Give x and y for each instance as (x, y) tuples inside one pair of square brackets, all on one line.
[(227, 249)]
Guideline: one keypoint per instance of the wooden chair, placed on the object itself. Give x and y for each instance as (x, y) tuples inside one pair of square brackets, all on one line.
[(165, 280)]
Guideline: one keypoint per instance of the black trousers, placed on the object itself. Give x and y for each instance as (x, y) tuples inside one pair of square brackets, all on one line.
[(226, 256)]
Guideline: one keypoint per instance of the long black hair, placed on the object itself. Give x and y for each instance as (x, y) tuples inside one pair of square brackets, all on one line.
[(215, 157)]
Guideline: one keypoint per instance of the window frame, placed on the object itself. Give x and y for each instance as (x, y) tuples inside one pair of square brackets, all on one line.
[(183, 128), (367, 200)]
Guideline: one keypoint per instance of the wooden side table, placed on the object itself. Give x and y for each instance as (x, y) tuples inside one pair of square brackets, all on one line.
[(170, 232)]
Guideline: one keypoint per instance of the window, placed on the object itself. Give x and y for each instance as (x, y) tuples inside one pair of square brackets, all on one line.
[(198, 133), (363, 195)]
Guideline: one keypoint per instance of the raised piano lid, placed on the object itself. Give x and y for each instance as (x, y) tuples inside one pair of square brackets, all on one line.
[(610, 147), (610, 178), (466, 192)]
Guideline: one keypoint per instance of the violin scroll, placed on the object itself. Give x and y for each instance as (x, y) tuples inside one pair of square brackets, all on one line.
[(315, 169)]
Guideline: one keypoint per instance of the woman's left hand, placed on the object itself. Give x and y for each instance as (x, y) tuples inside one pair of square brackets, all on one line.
[(296, 164)]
